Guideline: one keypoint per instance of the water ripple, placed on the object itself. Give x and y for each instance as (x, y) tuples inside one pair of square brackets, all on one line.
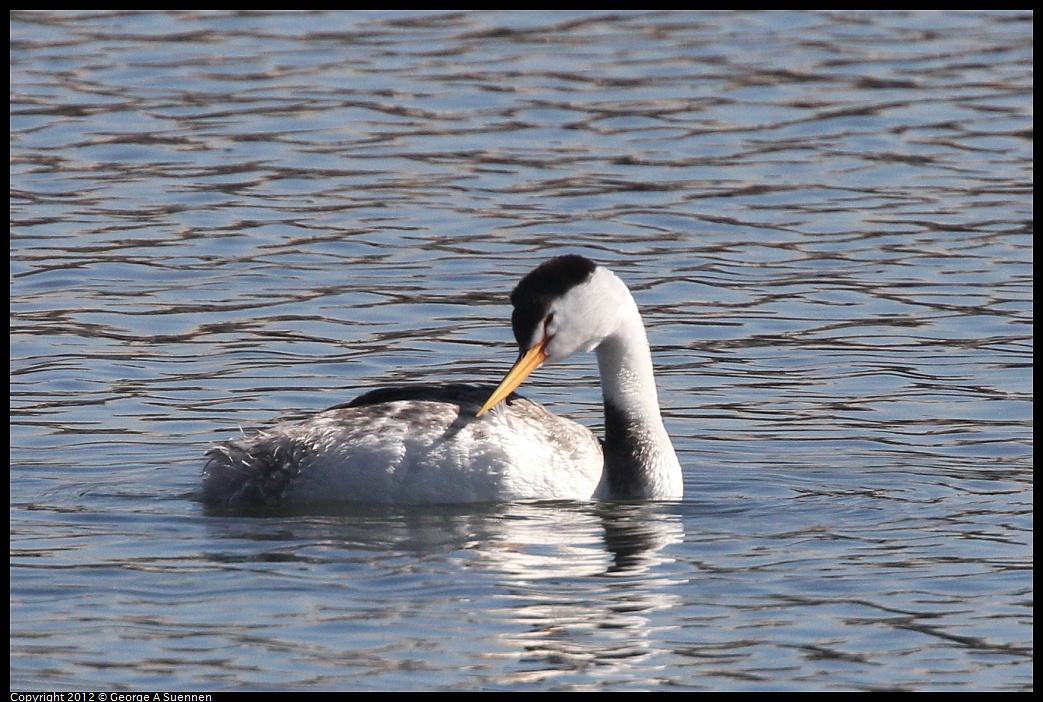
[(218, 218)]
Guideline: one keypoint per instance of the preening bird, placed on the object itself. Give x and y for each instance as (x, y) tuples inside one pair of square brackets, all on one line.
[(444, 444)]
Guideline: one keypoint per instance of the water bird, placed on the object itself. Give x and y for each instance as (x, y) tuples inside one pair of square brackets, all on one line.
[(458, 443)]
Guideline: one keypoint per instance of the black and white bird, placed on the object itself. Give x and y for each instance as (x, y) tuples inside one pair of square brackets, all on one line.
[(461, 443)]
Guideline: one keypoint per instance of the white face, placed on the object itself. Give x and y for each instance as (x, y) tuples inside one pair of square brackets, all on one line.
[(584, 316)]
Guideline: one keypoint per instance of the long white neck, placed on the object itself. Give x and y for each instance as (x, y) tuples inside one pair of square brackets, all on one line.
[(639, 459)]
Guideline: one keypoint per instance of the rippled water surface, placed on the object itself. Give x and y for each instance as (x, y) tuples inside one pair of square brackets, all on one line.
[(221, 218)]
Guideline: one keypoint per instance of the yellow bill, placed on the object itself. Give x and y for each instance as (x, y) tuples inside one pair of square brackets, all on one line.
[(532, 360)]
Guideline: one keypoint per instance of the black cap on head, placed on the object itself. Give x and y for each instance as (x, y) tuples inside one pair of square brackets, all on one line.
[(549, 281)]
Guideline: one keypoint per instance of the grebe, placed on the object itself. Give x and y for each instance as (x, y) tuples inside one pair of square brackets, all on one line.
[(461, 443)]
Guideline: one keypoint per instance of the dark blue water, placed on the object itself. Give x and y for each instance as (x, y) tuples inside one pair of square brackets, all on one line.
[(221, 218)]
